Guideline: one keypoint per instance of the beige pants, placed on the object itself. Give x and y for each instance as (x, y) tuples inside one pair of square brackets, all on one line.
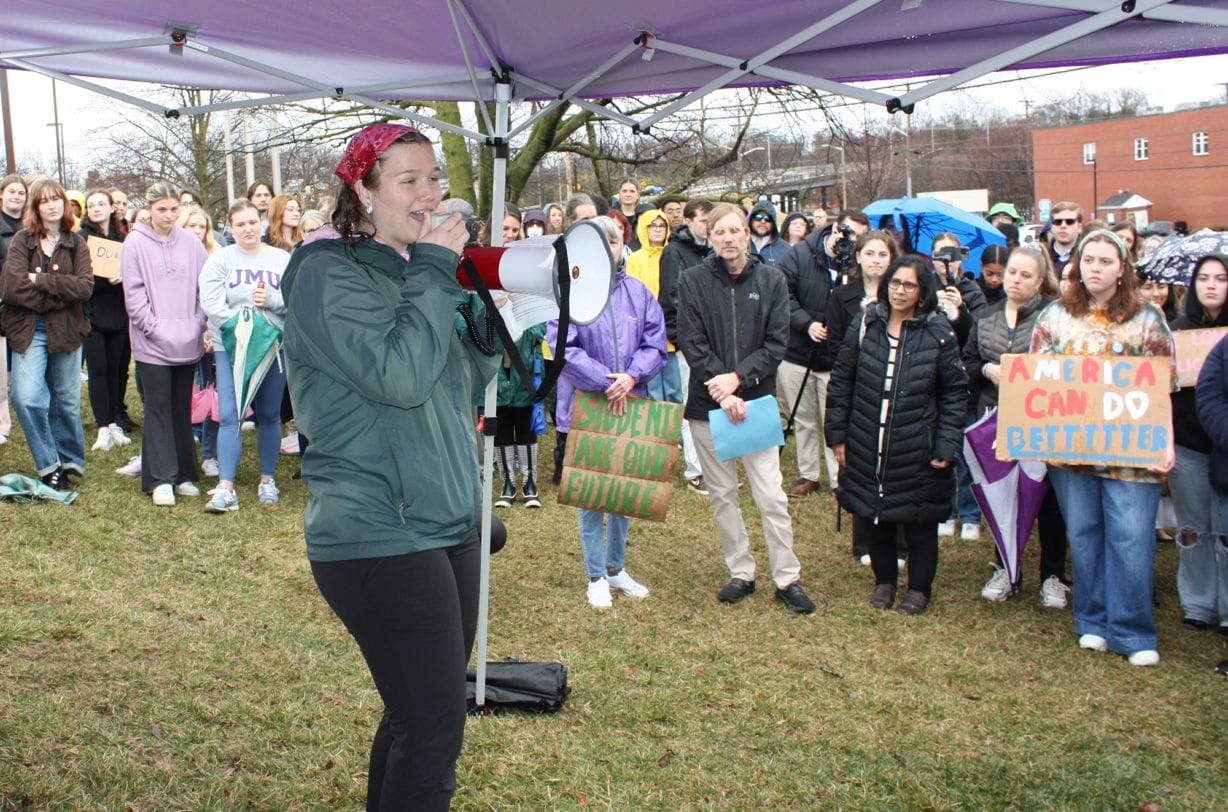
[(808, 425), (763, 473)]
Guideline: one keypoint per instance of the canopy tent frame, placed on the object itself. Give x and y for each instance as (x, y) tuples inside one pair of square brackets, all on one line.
[(501, 87)]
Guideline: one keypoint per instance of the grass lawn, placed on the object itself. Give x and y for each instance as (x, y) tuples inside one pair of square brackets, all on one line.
[(166, 659)]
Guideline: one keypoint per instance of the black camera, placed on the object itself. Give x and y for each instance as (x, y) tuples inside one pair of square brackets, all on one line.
[(951, 253), (843, 249)]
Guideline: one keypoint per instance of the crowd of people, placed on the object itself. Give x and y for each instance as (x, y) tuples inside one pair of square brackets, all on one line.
[(875, 356)]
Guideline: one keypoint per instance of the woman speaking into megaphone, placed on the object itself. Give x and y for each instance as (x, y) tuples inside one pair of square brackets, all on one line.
[(383, 386)]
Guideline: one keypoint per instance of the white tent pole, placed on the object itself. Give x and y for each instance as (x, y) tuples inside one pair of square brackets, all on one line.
[(607, 112), (1040, 45), (752, 64), (412, 116), (306, 95), (144, 104), (84, 48), (503, 96), (531, 120), (1168, 13), (473, 76)]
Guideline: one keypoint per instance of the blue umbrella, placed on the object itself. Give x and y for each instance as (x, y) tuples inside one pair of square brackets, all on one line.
[(921, 219)]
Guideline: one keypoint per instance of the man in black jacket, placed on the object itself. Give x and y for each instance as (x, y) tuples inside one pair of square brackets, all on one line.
[(733, 322), (12, 206), (687, 246), (811, 272)]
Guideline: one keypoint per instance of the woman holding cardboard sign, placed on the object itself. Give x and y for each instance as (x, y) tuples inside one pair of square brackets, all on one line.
[(895, 419), (616, 355), (1202, 575), (1109, 511), (107, 348)]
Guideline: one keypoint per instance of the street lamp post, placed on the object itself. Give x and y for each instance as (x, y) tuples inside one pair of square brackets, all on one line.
[(742, 153), (844, 191)]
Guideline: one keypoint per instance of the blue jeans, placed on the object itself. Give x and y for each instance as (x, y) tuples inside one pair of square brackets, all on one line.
[(267, 407), (667, 385), (963, 504), (1112, 551), (206, 430), (46, 393), (603, 537), (1202, 569)]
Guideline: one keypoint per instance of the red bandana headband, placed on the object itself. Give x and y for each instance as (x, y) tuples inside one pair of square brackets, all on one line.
[(365, 148)]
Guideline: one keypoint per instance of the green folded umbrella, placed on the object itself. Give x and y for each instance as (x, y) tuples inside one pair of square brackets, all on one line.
[(251, 342)]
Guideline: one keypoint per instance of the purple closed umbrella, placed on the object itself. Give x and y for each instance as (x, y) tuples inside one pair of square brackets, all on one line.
[(1009, 493)]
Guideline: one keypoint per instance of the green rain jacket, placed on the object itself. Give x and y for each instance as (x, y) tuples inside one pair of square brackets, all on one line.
[(383, 387)]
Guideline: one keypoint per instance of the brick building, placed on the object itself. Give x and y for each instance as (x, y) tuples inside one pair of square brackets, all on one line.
[(1177, 161)]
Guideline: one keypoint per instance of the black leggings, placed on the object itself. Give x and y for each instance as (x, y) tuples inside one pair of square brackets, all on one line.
[(922, 541), (106, 357), (414, 617), (515, 426)]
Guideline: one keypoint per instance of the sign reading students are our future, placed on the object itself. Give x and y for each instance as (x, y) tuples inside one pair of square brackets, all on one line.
[(1084, 410), (621, 464)]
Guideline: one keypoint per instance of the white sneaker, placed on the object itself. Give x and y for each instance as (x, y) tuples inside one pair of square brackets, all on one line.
[(164, 495), (1053, 593), (999, 587), (223, 500), (267, 493), (1093, 642), (865, 560), (105, 441), (627, 585), (247, 425), (209, 468), (970, 532), (133, 468), (946, 528), (1145, 657), (599, 594), (187, 489), (118, 436), (899, 563), (4, 438)]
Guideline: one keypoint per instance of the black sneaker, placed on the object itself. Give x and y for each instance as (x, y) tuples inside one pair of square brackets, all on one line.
[(914, 603), (795, 599), (883, 596), (57, 479), (735, 590)]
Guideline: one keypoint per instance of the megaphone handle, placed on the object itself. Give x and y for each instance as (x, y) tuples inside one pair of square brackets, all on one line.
[(493, 316), (562, 268)]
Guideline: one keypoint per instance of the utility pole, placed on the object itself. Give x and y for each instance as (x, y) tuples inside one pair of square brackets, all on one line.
[(10, 153)]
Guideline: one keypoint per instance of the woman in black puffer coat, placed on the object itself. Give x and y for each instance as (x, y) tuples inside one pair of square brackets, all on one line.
[(895, 422)]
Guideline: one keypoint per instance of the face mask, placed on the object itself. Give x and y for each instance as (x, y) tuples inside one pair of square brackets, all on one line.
[(533, 230)]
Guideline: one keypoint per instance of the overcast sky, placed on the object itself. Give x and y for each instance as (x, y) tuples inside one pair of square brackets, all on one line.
[(1167, 84)]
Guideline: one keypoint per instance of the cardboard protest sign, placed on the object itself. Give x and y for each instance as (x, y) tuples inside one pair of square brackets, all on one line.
[(1084, 410), (1193, 346), (104, 255), (621, 464)]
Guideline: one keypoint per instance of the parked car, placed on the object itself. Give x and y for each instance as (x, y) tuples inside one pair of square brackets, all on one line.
[(1160, 227)]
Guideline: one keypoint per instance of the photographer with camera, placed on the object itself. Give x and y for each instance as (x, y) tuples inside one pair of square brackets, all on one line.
[(813, 268), (960, 298)]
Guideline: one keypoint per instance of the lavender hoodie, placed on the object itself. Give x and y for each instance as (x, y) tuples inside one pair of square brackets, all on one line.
[(629, 336), (160, 290)]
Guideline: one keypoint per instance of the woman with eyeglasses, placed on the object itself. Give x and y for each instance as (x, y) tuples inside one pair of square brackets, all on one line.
[(895, 416), (1109, 510), (795, 228)]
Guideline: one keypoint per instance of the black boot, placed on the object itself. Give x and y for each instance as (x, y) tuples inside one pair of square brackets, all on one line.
[(530, 478), (508, 472)]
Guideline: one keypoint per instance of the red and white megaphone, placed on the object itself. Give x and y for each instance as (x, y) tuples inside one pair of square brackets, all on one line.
[(531, 266)]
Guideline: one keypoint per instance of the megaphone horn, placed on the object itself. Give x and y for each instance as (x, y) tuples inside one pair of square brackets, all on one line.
[(530, 266)]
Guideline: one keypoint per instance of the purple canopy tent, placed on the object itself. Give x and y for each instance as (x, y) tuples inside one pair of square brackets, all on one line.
[(372, 51)]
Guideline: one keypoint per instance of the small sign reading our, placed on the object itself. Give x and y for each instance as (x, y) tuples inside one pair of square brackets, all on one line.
[(104, 254), (621, 464)]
